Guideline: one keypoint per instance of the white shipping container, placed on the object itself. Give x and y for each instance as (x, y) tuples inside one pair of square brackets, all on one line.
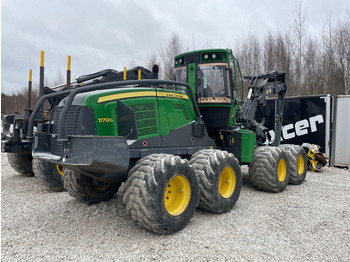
[(341, 132)]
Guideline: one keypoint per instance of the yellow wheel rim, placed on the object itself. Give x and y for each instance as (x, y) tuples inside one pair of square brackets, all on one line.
[(177, 195), (59, 169), (301, 165), (97, 185), (227, 182), (281, 170)]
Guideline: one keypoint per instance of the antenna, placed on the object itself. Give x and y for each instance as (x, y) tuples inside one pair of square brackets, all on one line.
[(194, 49)]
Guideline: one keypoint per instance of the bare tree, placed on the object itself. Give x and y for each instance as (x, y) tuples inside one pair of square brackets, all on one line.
[(341, 44), (327, 54), (269, 46), (16, 102), (256, 54), (300, 36), (132, 63), (284, 59), (167, 54), (60, 79), (311, 67), (151, 60), (248, 52), (330, 66)]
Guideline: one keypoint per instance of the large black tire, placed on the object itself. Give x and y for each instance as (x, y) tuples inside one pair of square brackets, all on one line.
[(87, 189), (268, 169), (49, 174), (21, 163), (296, 157), (161, 193), (220, 179)]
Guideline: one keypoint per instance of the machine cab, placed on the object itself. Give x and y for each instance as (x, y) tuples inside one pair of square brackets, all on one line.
[(213, 83), (211, 75)]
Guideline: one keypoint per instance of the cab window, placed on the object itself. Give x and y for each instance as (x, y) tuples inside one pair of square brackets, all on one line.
[(181, 74), (213, 80)]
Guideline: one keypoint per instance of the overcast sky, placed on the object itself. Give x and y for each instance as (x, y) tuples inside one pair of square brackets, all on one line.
[(111, 33)]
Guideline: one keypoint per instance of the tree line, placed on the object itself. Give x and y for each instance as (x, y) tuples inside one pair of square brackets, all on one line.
[(313, 64)]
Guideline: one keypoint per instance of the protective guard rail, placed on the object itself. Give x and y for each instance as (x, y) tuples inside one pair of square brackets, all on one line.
[(62, 135)]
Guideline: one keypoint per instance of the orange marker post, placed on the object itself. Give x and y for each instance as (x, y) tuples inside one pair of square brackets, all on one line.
[(29, 98), (68, 73), (41, 77)]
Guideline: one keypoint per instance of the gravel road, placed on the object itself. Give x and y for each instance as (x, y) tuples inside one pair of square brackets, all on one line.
[(310, 222)]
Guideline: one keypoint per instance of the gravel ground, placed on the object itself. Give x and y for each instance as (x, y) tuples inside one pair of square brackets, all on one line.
[(310, 222)]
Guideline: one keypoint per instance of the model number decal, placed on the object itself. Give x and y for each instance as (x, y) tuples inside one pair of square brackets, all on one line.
[(105, 120)]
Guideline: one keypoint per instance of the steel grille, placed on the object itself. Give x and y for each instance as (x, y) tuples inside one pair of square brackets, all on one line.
[(72, 121)]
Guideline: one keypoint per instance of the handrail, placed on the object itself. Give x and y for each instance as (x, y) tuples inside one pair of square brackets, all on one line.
[(110, 85), (38, 106)]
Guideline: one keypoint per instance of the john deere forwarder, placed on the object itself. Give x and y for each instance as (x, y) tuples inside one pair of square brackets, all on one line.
[(176, 144)]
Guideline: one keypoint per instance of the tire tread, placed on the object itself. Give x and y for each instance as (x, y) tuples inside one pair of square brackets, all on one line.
[(76, 185), (263, 169), (206, 163), (142, 188), (21, 163), (292, 153), (48, 175)]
